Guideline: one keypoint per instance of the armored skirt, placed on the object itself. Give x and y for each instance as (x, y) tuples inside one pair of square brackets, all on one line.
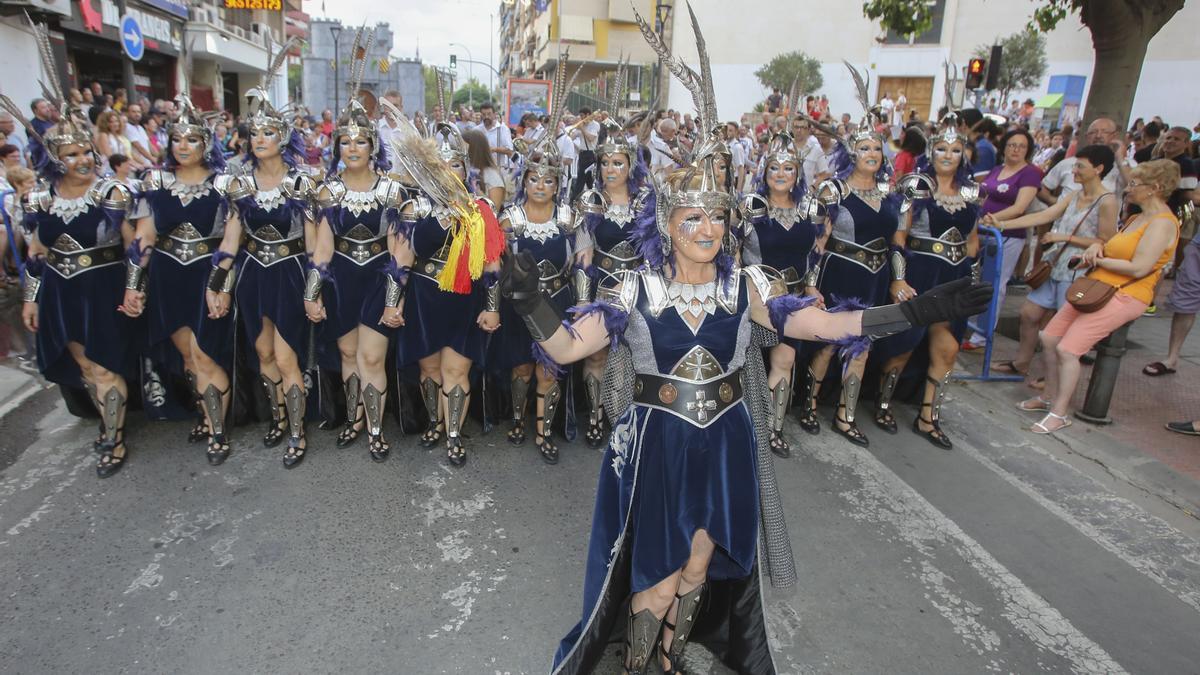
[(936, 252), (270, 282), (190, 222), (83, 283), (683, 457), (435, 319)]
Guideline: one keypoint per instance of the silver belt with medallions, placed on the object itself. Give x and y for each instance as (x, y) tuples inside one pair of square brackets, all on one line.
[(268, 253), (73, 263), (872, 256), (186, 245)]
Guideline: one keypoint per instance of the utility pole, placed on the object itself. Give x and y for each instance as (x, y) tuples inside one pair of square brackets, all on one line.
[(336, 31), (126, 62)]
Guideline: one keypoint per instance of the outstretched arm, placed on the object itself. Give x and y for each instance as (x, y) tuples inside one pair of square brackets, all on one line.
[(588, 335)]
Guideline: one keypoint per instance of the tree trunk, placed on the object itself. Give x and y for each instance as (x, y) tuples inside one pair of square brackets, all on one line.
[(1121, 31)]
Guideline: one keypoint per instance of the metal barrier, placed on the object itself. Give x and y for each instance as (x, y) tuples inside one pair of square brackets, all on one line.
[(995, 259), (1104, 377)]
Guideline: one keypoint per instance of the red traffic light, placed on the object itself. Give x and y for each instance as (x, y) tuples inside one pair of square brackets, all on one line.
[(976, 65)]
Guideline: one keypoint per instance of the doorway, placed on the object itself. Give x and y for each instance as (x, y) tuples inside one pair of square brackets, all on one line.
[(918, 91)]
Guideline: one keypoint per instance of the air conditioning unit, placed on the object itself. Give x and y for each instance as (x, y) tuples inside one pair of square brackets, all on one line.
[(260, 28), (202, 15), (240, 32)]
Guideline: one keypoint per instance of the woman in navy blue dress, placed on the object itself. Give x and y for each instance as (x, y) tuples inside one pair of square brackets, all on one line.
[(180, 225), (355, 239), (785, 230), (608, 214), (854, 271), (448, 304), (546, 229), (76, 296), (937, 242), (274, 211)]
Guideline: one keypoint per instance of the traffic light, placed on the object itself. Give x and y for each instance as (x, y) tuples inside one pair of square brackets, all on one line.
[(453, 61), (976, 69)]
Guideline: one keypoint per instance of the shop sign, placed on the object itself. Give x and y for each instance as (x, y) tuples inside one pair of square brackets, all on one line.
[(177, 7), (269, 5), (161, 32), (154, 27)]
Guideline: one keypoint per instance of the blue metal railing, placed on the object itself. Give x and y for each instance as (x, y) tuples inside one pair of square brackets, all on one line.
[(995, 261), (8, 230)]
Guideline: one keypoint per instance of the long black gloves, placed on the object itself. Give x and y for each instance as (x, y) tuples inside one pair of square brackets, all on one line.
[(948, 302), (519, 285)]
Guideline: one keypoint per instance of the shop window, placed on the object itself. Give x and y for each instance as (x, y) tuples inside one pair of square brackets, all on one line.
[(932, 36)]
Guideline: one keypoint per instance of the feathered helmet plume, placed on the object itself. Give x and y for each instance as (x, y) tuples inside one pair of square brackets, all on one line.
[(191, 119), (616, 142), (450, 143), (544, 158), (782, 147), (947, 131), (354, 120), (72, 127), (872, 114), (263, 112)]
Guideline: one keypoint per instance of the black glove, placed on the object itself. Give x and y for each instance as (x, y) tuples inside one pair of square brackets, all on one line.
[(519, 282), (950, 301), (519, 285), (947, 302)]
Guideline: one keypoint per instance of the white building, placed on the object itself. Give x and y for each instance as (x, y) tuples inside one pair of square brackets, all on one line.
[(744, 35)]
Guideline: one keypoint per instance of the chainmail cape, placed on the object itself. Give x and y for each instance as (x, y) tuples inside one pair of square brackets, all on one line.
[(617, 396)]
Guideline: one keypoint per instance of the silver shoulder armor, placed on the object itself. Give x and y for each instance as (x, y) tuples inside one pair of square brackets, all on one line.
[(39, 199), (490, 204), (767, 280), (640, 199), (623, 295), (299, 185), (111, 194), (832, 191), (515, 215), (565, 215), (330, 193), (421, 208), (912, 187), (239, 187), (156, 179), (592, 202), (970, 192), (752, 206), (391, 193), (812, 208)]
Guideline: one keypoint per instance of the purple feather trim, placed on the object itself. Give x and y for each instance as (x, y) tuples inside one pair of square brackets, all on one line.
[(592, 220), (851, 347), (398, 273), (615, 320), (544, 360), (784, 306), (397, 225), (136, 253), (644, 234), (219, 256), (35, 266), (848, 304), (490, 278), (323, 270)]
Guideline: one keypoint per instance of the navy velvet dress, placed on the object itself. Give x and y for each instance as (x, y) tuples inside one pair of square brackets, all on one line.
[(855, 268), (360, 227), (82, 284), (664, 476), (784, 240), (189, 221), (270, 281), (554, 250), (936, 252), (614, 252), (435, 319)]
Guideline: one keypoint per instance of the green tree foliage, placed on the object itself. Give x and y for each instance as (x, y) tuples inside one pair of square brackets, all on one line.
[(1023, 64), (471, 92), (795, 66), (1121, 31)]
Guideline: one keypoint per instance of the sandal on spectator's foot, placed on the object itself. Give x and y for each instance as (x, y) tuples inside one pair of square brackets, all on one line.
[(1157, 369), (378, 447), (218, 449), (1035, 404), (1008, 368), (1043, 427)]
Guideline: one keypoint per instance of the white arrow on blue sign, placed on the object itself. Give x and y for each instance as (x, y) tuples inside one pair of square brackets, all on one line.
[(131, 38)]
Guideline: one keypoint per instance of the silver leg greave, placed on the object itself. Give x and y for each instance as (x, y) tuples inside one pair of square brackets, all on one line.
[(212, 400), (273, 397), (430, 391), (939, 396), (851, 388), (293, 401), (456, 404), (887, 388), (520, 396), (550, 406), (780, 397), (110, 413), (353, 392), (642, 633), (373, 405), (592, 384), (685, 618)]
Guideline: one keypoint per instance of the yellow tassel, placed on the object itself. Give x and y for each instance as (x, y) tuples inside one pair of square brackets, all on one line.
[(468, 229)]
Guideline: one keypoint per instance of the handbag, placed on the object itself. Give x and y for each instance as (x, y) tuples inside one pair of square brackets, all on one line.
[(1040, 273), (1089, 295)]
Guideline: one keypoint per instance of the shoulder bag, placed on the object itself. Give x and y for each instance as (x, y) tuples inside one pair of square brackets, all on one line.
[(1040, 273)]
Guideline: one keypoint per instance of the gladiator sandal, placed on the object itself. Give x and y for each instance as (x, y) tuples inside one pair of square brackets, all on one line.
[(543, 434), (642, 633), (113, 436), (780, 397), (808, 417), (688, 607), (594, 436), (883, 409), (199, 431), (218, 445), (935, 435), (456, 408), (293, 402), (278, 428), (429, 393), (354, 405), (373, 405), (520, 394), (851, 387)]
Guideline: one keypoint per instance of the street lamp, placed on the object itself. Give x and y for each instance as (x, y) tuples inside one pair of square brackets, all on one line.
[(470, 91), (336, 31)]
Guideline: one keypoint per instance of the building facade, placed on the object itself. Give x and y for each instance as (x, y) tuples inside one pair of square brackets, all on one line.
[(744, 35), (321, 83)]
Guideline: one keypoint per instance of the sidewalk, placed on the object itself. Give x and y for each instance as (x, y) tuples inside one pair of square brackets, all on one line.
[(1136, 445)]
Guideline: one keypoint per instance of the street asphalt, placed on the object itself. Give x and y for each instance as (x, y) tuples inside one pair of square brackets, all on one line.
[(999, 556)]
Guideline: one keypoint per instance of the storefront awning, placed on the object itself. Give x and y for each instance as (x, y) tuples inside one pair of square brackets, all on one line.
[(1049, 101)]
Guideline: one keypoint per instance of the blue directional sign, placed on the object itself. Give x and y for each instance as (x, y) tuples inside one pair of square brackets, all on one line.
[(131, 38)]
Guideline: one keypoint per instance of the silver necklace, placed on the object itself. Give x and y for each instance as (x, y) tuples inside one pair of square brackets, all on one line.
[(694, 299), (68, 209), (357, 202), (186, 193), (950, 203), (785, 216)]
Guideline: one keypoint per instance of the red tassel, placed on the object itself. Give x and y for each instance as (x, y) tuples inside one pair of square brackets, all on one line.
[(493, 235), (462, 274)]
